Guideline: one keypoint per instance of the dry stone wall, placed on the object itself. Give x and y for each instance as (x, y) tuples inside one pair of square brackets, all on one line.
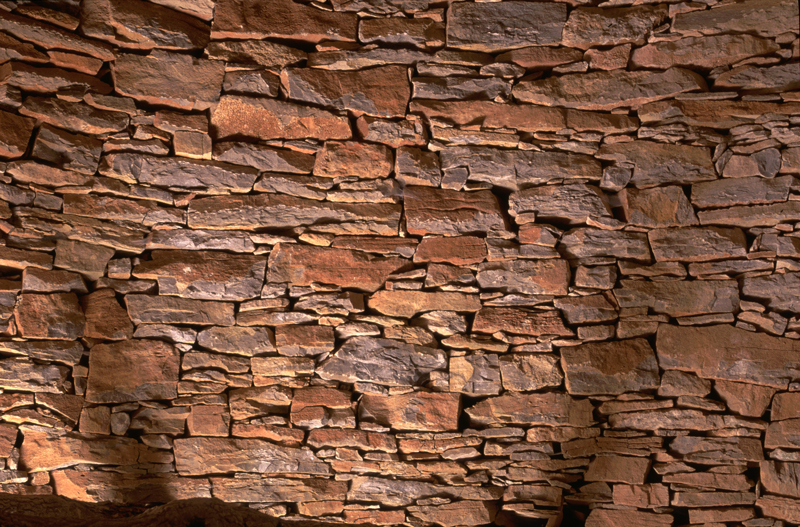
[(404, 261)]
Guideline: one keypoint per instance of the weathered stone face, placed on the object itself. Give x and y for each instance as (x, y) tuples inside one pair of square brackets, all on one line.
[(400, 262)]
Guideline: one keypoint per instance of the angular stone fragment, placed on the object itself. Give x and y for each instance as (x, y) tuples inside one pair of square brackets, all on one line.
[(64, 351), (264, 118), (523, 373), (622, 469), (783, 434), (591, 26), (86, 258), (610, 367), (43, 451), (451, 213), (476, 374), (200, 240), (382, 361), (51, 37), (680, 298), (382, 91), (534, 277), (551, 409), (518, 321), (766, 18), (280, 211), (717, 450), (304, 340), (21, 259), (75, 117), (230, 364), (608, 90), (119, 488), (667, 418), (570, 204), (238, 19), (278, 490), (264, 53), (237, 340), (205, 275), (721, 114), (540, 57), (657, 207), (744, 398), (147, 309), (709, 480), (515, 169), (586, 309), (461, 250), (753, 216), (484, 27), (778, 78), (132, 370), (54, 316), (105, 318), (304, 265), (659, 163), (160, 420), (264, 157), (697, 244), (465, 512), (406, 304), (419, 411), (457, 88), (701, 52), (70, 151), (353, 159), (16, 132), (587, 243), (781, 478), (24, 375), (212, 455), (777, 507), (39, 174), (606, 517), (785, 406), (399, 492), (779, 291), (282, 366), (728, 353), (141, 25), (741, 191)]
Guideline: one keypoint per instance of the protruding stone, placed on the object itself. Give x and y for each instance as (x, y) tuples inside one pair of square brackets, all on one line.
[(237, 340), (608, 90), (451, 213), (551, 409), (105, 318), (75, 117), (382, 91), (264, 118), (745, 399), (711, 351), (262, 52), (350, 158), (484, 27), (465, 512), (766, 18), (610, 367), (419, 411), (211, 455), (278, 490), (406, 304), (621, 469), (657, 207), (697, 244), (570, 204), (147, 309), (528, 372), (778, 290), (658, 164), (16, 132), (132, 370), (382, 361), (701, 52), (588, 243), (591, 26), (680, 298), (54, 316), (781, 478), (519, 321), (534, 277), (42, 451)]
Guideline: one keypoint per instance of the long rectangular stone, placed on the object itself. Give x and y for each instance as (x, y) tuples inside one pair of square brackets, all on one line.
[(450, 212), (277, 490), (42, 451), (218, 455), (551, 409), (697, 244), (656, 164), (725, 352), (148, 309), (680, 298), (278, 211)]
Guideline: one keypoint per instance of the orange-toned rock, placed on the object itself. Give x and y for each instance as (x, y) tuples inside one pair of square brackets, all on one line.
[(213, 455), (55, 316), (150, 309), (420, 411), (120, 488), (533, 277), (571, 204), (520, 321), (783, 434), (382, 91), (132, 370), (305, 264), (208, 421), (72, 116), (25, 375), (304, 340), (709, 351), (263, 118), (701, 52), (680, 298), (291, 490), (541, 57), (52, 37), (237, 340), (406, 304), (785, 406), (44, 451), (205, 275), (591, 26), (551, 409), (466, 512), (610, 367), (238, 19), (105, 318), (461, 250), (779, 507), (766, 18), (744, 398), (362, 160), (623, 469), (15, 132), (657, 207), (343, 438), (658, 164), (607, 517), (451, 213)]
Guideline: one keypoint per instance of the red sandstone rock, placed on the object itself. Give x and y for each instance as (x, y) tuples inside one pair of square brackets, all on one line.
[(429, 412), (55, 316)]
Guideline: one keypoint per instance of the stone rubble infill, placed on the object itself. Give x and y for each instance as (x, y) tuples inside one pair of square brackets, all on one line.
[(400, 262)]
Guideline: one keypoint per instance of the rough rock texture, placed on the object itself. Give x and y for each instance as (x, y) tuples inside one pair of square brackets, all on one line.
[(399, 262)]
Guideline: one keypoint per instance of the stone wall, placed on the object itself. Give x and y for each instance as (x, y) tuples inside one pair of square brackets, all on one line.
[(403, 261)]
